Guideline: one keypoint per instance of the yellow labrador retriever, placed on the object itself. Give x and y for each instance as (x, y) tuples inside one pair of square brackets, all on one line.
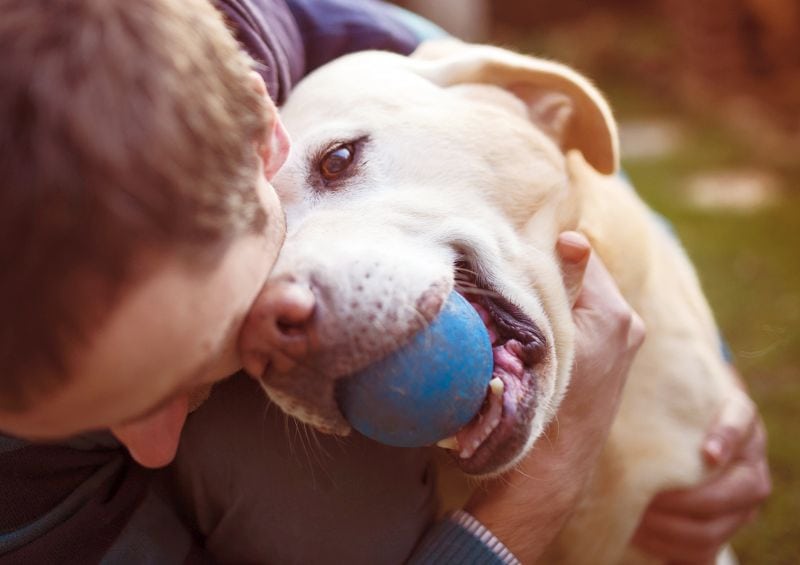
[(456, 168)]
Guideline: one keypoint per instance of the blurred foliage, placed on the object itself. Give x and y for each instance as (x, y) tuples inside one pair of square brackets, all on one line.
[(750, 270), (737, 60), (748, 260)]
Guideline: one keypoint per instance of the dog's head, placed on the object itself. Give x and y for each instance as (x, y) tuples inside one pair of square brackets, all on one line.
[(409, 178)]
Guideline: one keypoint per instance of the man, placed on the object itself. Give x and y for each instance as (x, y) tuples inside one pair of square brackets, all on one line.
[(138, 226)]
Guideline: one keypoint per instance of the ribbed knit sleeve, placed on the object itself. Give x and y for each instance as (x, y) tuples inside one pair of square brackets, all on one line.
[(461, 539)]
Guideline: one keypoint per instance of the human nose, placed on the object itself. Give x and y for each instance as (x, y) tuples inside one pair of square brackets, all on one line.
[(279, 329), (153, 440)]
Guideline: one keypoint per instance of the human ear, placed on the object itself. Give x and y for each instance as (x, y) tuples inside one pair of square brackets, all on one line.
[(274, 148)]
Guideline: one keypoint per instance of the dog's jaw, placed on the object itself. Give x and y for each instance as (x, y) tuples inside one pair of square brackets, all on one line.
[(501, 433)]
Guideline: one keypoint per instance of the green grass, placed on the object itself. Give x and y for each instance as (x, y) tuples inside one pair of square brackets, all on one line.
[(750, 269)]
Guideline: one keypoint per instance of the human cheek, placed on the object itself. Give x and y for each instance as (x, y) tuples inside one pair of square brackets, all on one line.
[(276, 227)]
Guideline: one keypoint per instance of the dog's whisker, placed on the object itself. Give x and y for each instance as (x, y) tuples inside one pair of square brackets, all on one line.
[(321, 448), (465, 279), (459, 269), (299, 427), (321, 455), (264, 418), (546, 435), (526, 475), (477, 291), (309, 450), (302, 435), (288, 434)]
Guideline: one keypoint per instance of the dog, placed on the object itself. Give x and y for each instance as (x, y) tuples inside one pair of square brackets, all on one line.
[(456, 169)]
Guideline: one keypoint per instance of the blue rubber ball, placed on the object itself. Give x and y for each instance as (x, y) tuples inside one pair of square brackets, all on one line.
[(428, 389)]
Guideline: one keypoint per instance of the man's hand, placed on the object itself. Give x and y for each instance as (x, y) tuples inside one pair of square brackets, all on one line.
[(691, 525), (527, 507)]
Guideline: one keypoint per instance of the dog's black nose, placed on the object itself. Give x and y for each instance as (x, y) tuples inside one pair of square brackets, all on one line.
[(277, 330)]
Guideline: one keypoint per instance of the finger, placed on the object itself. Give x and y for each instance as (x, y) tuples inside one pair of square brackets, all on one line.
[(600, 295), (668, 552), (636, 332), (742, 487), (600, 304), (574, 250), (611, 331), (732, 427), (688, 539)]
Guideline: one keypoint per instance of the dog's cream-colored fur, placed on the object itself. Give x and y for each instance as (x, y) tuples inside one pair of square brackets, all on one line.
[(477, 152)]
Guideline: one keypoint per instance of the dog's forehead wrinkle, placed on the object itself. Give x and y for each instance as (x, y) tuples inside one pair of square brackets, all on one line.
[(332, 94), (492, 95)]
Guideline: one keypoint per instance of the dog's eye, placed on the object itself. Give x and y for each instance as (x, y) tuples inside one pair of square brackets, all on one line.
[(335, 162)]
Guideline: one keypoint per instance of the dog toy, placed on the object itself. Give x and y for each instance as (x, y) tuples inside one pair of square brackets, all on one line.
[(428, 389)]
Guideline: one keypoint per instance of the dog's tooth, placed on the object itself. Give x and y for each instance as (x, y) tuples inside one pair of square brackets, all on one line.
[(497, 386), (492, 334), (450, 443)]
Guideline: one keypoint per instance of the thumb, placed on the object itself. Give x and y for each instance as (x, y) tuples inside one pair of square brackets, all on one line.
[(733, 425), (574, 250)]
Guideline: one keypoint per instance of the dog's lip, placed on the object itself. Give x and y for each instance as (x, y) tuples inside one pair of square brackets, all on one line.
[(509, 436), (519, 347)]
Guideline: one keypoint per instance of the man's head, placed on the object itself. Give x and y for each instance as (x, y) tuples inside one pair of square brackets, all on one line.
[(136, 222)]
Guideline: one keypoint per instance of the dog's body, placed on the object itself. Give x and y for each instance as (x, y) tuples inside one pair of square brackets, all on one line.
[(402, 169)]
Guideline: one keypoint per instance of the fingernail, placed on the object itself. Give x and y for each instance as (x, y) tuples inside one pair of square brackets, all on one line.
[(716, 450), (573, 247)]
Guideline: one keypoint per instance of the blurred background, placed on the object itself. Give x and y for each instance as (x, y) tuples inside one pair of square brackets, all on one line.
[(707, 93)]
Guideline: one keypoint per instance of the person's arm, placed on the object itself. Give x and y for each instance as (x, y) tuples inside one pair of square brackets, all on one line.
[(691, 525), (518, 515), (290, 38), (332, 28)]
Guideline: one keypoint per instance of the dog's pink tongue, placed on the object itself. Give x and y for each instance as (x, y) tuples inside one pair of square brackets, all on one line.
[(153, 440)]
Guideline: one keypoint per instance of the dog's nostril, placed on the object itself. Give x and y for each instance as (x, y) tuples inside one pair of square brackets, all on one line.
[(294, 307), (290, 327)]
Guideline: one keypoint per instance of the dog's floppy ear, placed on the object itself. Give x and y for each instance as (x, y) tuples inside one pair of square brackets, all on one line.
[(563, 103)]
